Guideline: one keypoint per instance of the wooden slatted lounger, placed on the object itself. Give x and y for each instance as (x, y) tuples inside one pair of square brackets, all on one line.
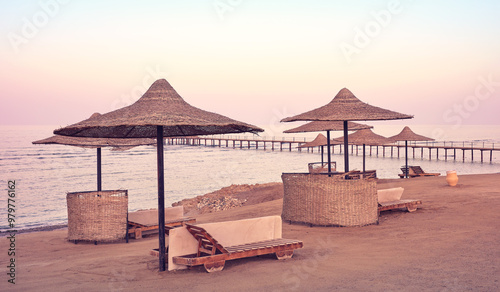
[(146, 221), (389, 199), (415, 171), (410, 205), (213, 255)]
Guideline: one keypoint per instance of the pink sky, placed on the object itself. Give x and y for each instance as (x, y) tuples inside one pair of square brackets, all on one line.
[(255, 62)]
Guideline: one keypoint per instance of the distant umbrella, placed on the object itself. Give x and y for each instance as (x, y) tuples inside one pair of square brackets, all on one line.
[(347, 107), (160, 112), (115, 143), (408, 135), (363, 137), (319, 141)]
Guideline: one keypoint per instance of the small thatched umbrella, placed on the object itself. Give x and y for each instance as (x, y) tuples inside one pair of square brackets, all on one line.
[(347, 107), (319, 141), (363, 137), (160, 112), (408, 135), (327, 126), (115, 143)]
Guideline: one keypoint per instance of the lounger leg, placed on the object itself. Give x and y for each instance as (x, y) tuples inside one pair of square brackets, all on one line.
[(411, 208), (284, 254), (138, 233), (215, 266)]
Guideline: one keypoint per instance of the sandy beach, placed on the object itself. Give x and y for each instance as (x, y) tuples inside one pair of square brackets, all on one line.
[(450, 244)]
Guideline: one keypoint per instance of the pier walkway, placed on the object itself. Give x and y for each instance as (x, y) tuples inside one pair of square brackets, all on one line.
[(433, 149)]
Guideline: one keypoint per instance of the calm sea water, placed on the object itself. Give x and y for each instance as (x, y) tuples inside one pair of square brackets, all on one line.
[(45, 173)]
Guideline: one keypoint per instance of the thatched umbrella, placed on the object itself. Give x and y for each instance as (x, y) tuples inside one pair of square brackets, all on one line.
[(319, 141), (115, 143), (363, 137), (327, 126), (347, 107), (408, 135), (160, 112)]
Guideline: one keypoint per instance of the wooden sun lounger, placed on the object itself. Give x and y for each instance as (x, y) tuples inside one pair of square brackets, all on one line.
[(213, 255), (390, 199), (147, 223), (409, 205), (415, 171)]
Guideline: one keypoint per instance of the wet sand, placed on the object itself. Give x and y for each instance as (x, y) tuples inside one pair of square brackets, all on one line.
[(450, 244)]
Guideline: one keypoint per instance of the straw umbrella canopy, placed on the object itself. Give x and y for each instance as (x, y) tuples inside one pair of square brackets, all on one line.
[(318, 126), (363, 137), (160, 112), (327, 126), (347, 107), (408, 135), (115, 143)]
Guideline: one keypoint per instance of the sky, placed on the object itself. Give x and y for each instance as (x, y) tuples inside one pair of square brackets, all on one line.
[(255, 61)]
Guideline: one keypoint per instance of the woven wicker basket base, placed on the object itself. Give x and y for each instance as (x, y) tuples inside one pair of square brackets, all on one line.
[(97, 216), (329, 201)]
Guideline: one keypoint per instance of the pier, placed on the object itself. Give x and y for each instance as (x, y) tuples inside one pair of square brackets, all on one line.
[(432, 150)]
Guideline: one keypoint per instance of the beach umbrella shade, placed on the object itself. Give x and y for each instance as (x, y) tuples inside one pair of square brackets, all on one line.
[(363, 137), (116, 144), (160, 112), (347, 107), (408, 135), (327, 126)]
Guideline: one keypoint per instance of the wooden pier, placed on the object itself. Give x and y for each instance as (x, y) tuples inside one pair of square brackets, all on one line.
[(433, 149)]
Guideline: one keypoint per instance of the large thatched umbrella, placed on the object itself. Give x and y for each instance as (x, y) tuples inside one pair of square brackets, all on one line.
[(363, 137), (327, 126), (347, 107), (98, 143), (160, 112), (408, 135)]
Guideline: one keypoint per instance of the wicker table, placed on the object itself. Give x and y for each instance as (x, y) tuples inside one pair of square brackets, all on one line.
[(318, 199), (97, 216)]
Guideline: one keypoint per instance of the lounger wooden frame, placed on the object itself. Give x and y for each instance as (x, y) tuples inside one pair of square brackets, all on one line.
[(213, 255), (138, 229), (415, 171), (409, 205)]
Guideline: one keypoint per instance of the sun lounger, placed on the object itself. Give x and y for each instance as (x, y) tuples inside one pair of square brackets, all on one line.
[(415, 171), (390, 199), (213, 255), (146, 221)]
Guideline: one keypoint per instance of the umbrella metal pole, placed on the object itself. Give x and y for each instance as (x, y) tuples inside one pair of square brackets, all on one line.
[(322, 151), (346, 153), (363, 159), (161, 196), (328, 153), (99, 173), (406, 158)]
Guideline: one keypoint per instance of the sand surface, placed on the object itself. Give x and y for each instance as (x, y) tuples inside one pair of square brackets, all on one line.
[(452, 243)]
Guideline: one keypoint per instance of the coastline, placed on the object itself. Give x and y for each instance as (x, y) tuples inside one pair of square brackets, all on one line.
[(441, 246)]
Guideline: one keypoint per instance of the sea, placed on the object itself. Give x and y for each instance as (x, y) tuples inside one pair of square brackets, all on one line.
[(44, 174)]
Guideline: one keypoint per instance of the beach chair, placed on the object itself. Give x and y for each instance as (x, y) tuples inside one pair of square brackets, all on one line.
[(213, 255), (319, 167), (390, 199), (415, 171), (146, 221)]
